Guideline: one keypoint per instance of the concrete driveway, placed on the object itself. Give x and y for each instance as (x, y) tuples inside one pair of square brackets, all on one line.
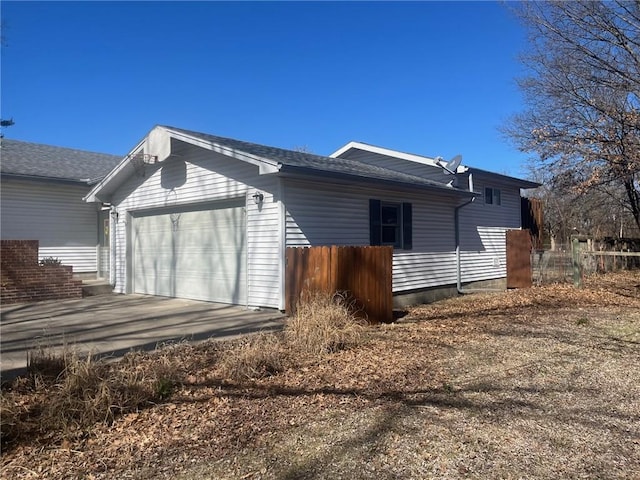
[(115, 324)]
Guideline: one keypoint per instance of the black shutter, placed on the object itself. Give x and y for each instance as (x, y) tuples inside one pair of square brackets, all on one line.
[(407, 227), (375, 222)]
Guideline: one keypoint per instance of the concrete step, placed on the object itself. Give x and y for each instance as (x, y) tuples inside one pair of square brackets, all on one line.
[(96, 287)]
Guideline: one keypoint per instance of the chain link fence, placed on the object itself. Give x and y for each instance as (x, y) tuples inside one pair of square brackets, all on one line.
[(552, 266), (583, 257)]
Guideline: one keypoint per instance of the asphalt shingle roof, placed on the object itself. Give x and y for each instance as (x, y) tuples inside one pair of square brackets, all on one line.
[(47, 161), (311, 162)]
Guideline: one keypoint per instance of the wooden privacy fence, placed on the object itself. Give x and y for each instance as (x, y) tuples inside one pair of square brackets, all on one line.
[(519, 272), (365, 273)]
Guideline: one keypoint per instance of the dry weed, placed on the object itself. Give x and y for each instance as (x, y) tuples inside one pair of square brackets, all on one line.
[(323, 324), (10, 412), (254, 357), (89, 392), (70, 393), (46, 364)]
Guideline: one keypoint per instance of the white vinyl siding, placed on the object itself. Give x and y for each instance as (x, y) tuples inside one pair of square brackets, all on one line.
[(483, 231), (56, 216), (265, 260), (318, 212), (482, 225), (323, 214), (196, 176)]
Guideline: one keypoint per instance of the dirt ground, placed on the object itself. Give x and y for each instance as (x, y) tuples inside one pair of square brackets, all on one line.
[(539, 383)]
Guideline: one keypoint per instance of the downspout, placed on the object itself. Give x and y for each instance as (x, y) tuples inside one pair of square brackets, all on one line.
[(459, 288), (246, 249), (456, 221), (113, 222)]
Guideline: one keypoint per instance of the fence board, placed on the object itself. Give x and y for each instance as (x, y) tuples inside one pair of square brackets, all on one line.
[(519, 272), (365, 273), (307, 269)]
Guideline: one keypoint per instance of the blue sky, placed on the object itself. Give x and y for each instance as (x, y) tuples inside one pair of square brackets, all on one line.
[(432, 78)]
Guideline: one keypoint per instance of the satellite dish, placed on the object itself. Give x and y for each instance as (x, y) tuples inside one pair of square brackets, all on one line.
[(451, 166)]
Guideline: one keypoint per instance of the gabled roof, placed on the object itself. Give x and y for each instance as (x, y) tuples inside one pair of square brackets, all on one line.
[(40, 161), (271, 160), (351, 146), (295, 161)]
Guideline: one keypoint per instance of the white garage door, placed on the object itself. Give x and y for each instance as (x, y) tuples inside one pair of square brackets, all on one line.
[(192, 254)]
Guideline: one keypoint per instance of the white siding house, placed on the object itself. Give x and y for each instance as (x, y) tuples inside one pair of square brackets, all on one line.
[(206, 217), (482, 224), (189, 227), (42, 190)]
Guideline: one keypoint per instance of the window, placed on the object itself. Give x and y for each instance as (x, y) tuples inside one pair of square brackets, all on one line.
[(390, 224), (492, 196)]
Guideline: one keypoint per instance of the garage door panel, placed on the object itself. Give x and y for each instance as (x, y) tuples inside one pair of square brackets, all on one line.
[(198, 255)]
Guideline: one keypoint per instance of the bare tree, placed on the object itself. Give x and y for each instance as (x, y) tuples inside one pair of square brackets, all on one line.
[(598, 213), (583, 96), (302, 149)]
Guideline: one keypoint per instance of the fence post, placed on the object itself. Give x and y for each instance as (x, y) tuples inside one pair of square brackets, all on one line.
[(577, 262)]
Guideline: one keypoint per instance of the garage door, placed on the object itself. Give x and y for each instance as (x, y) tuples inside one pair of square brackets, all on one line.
[(196, 254)]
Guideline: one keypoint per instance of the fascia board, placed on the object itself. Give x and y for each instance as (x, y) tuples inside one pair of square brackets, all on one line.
[(104, 188), (102, 191), (384, 151), (265, 165), (499, 176), (344, 149), (37, 178)]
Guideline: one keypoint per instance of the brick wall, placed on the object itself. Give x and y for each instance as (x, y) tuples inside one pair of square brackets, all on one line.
[(24, 280)]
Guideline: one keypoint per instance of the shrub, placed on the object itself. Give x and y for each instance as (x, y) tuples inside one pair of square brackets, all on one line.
[(50, 261), (323, 323)]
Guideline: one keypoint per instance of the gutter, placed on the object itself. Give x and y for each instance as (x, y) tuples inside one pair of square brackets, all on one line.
[(113, 222), (85, 182)]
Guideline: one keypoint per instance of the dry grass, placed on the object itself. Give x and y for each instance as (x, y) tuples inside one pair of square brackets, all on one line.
[(71, 393), (535, 384), (10, 413), (254, 357), (323, 324), (87, 393)]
